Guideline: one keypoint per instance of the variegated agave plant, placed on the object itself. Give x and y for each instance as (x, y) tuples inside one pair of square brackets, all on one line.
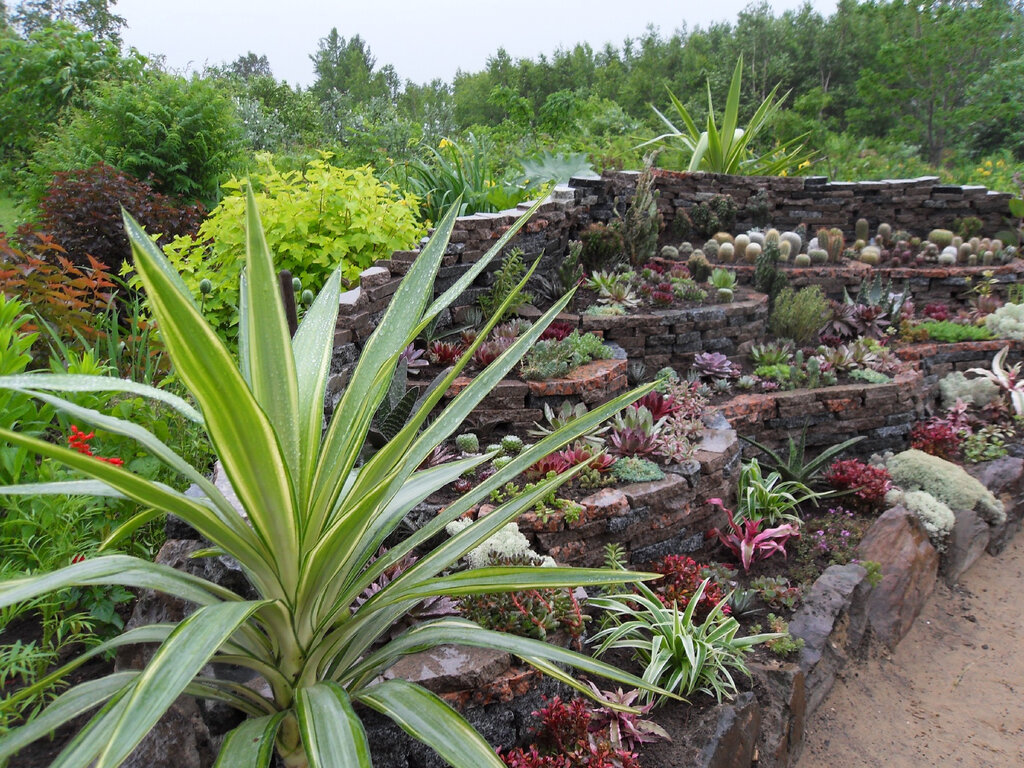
[(313, 521)]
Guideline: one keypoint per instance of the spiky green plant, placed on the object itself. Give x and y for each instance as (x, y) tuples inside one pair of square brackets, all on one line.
[(306, 531), (729, 148)]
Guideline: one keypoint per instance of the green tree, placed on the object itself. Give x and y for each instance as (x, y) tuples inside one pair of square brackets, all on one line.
[(96, 16), (48, 72)]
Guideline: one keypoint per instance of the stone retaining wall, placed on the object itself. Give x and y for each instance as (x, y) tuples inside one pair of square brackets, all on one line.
[(917, 205), (946, 285), (673, 336), (883, 413)]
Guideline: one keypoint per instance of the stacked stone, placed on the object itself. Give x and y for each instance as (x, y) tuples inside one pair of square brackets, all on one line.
[(673, 336)]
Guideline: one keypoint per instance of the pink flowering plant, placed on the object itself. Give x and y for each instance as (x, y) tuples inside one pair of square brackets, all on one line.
[(748, 542)]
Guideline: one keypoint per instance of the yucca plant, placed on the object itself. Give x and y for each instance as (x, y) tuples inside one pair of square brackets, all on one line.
[(309, 523), (729, 148)]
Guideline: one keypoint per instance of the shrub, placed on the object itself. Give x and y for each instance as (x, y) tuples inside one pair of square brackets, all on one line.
[(314, 222), (82, 210), (936, 436), (1007, 322), (506, 279), (799, 315), (978, 392), (950, 332), (61, 294), (868, 483), (180, 132), (915, 470)]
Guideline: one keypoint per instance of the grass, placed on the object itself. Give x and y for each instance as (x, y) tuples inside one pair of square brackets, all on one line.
[(11, 214)]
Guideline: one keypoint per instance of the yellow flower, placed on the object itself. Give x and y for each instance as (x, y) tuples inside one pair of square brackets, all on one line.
[(444, 143), (804, 164)]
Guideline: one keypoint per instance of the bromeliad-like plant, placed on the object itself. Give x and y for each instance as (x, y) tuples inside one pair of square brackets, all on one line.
[(729, 148), (748, 542), (1007, 379), (796, 467), (309, 521)]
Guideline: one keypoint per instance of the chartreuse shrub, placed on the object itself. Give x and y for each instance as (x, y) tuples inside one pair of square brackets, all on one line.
[(310, 521), (915, 470), (314, 222)]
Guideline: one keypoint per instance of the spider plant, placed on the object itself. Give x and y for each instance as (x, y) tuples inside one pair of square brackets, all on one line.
[(729, 148), (769, 498), (678, 654), (309, 521)]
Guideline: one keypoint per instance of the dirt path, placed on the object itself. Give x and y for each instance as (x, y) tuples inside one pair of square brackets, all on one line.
[(951, 694)]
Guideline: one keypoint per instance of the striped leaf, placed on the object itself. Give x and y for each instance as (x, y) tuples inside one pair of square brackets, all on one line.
[(331, 731)]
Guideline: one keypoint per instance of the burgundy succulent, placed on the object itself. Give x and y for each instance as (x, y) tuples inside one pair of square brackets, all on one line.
[(490, 351), (632, 442), (557, 331), (444, 352), (553, 462), (658, 404)]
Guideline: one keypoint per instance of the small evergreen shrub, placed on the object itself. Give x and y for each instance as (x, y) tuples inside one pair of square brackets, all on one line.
[(799, 315)]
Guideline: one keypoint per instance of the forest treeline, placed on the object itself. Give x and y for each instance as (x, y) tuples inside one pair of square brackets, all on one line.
[(880, 88)]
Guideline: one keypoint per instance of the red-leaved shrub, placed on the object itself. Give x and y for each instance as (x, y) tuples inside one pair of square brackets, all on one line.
[(869, 484), (82, 210)]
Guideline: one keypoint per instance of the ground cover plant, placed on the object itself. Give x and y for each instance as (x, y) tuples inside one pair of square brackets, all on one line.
[(315, 521)]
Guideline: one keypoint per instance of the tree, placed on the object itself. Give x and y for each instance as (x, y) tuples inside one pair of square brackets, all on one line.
[(45, 74), (345, 67), (249, 66), (96, 16)]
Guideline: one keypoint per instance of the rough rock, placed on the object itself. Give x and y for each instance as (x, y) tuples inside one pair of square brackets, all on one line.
[(1005, 478), (782, 695), (967, 541), (832, 622), (735, 737), (451, 667), (179, 740), (910, 565)]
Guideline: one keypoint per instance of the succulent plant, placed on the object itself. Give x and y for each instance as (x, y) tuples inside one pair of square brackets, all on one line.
[(861, 229), (698, 266), (722, 278), (871, 254), (771, 353), (669, 252), (715, 365), (512, 444), (832, 241), (632, 442), (659, 405), (785, 250), (632, 469), (884, 234), (710, 248), (444, 352), (727, 253), (803, 259), (467, 442), (817, 255), (752, 251), (940, 237)]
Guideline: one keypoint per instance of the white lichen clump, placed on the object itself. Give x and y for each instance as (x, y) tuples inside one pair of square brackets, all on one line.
[(506, 542), (938, 519)]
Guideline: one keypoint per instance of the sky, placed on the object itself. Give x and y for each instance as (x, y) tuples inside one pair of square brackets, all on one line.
[(422, 39)]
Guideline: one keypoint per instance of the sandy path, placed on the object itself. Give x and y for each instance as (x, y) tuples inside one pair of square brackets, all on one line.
[(951, 694)]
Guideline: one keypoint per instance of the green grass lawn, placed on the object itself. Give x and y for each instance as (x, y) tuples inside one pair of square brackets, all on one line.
[(10, 215)]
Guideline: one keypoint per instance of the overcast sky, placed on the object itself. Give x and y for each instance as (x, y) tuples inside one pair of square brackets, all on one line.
[(423, 39)]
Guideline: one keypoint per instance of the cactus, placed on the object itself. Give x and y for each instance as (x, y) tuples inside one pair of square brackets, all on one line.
[(963, 253), (817, 255), (710, 249), (752, 252), (832, 241), (861, 230), (948, 257), (772, 236), (724, 295), (467, 442), (795, 243), (987, 258), (785, 249), (941, 237), (669, 252), (871, 254), (803, 260), (884, 233), (698, 266), (722, 237), (726, 252), (756, 237), (858, 245), (685, 249), (741, 242), (972, 260)]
